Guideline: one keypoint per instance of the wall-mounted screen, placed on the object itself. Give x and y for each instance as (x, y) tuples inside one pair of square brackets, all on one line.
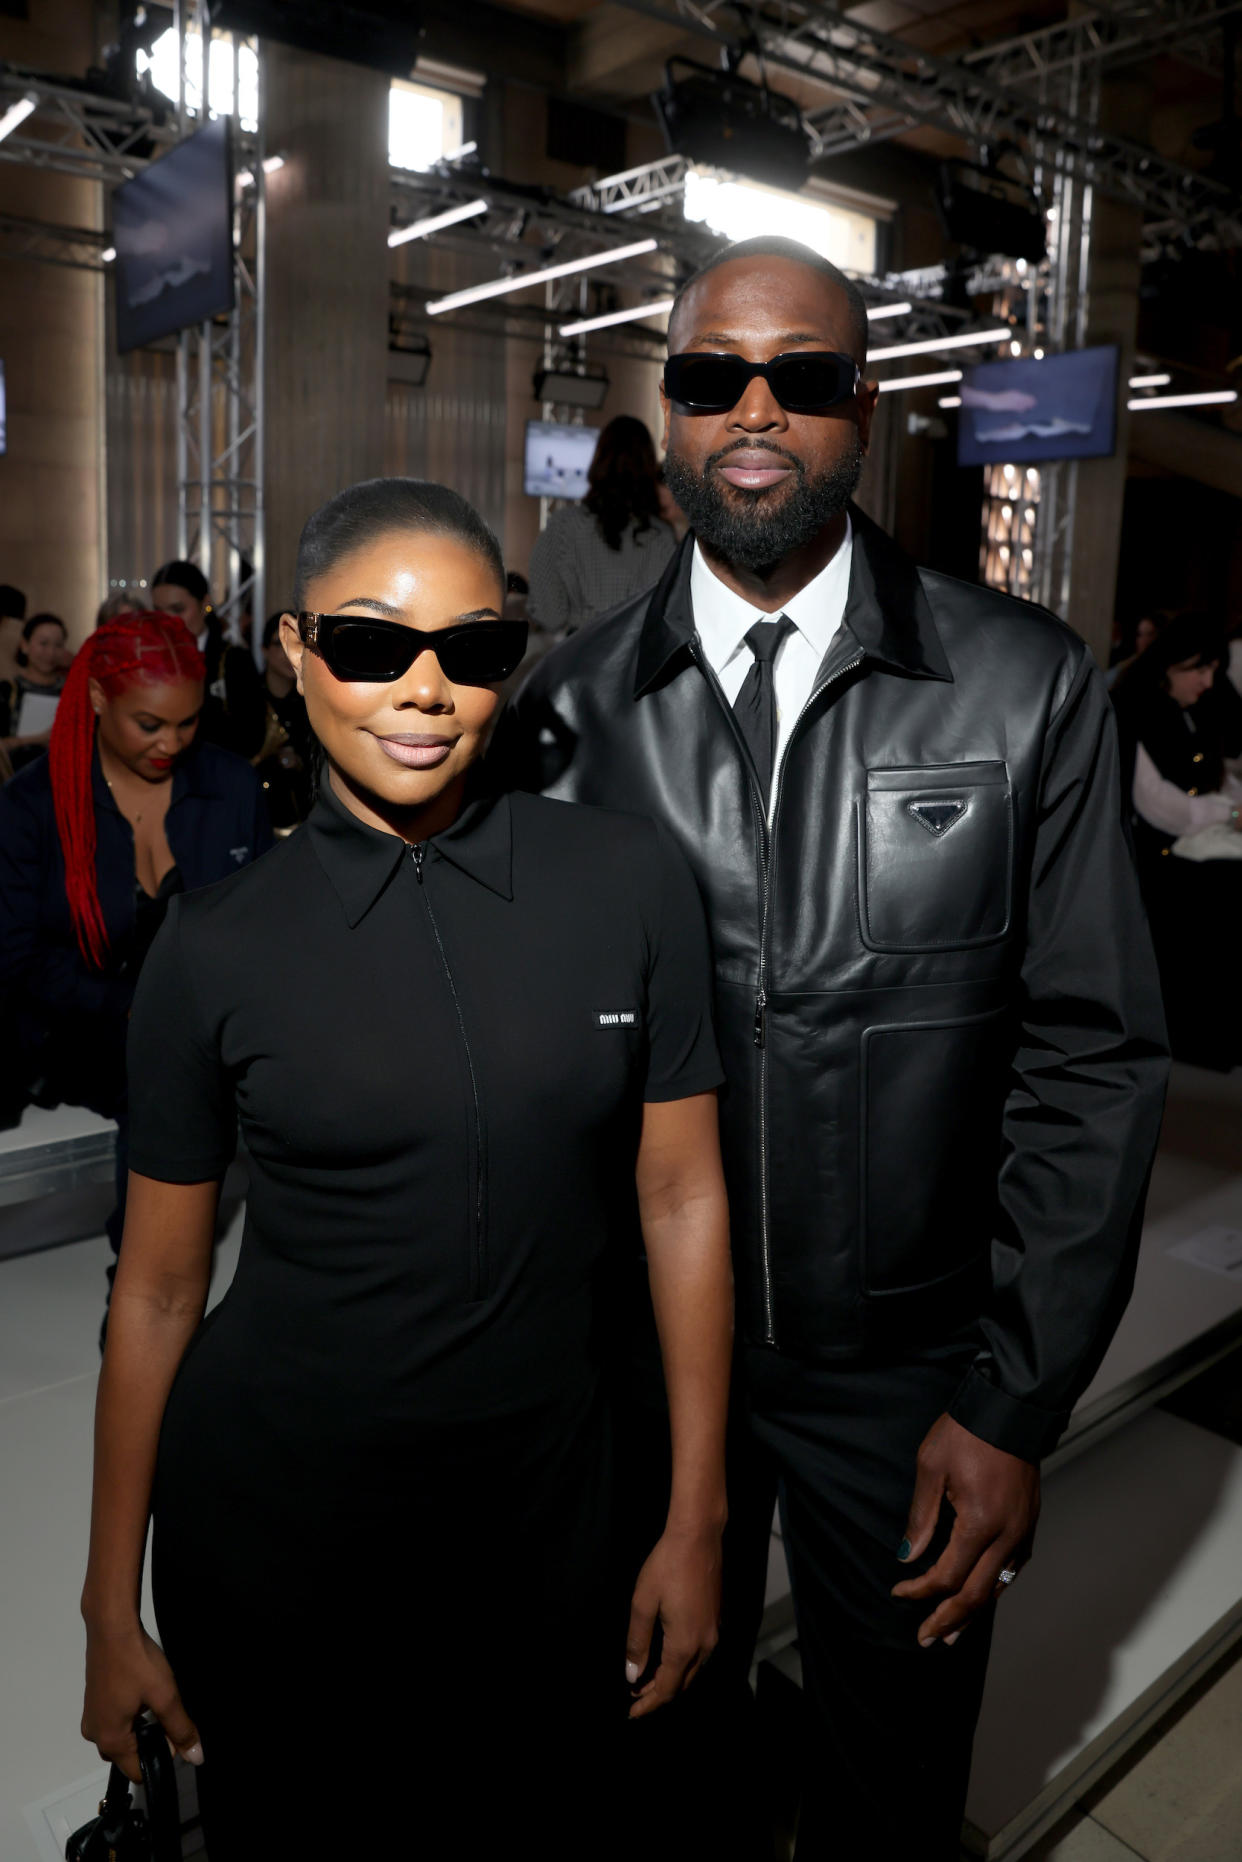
[(558, 459), (172, 227), (1023, 412)]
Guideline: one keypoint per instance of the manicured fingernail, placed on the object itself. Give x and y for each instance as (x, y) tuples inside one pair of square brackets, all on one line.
[(928, 1642), (193, 1754), (632, 1672), (950, 1640), (903, 1550)]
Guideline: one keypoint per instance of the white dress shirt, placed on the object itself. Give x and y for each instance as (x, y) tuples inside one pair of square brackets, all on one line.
[(723, 619)]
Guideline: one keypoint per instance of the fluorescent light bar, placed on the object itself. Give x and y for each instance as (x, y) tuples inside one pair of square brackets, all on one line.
[(949, 400), (419, 229), (1150, 381), (108, 254), (270, 166), (1217, 398), (968, 339), (921, 381), (876, 311), (655, 308), (500, 286), (17, 113)]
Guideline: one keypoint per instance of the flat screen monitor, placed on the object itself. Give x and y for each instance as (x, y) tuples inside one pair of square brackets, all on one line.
[(1024, 412), (172, 227), (558, 459)]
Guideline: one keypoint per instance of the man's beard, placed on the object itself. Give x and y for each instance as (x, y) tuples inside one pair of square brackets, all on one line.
[(758, 529)]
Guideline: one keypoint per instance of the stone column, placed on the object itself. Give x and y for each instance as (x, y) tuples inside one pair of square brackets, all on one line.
[(327, 290)]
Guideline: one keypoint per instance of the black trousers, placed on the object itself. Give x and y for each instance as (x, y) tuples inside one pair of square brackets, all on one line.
[(888, 1725)]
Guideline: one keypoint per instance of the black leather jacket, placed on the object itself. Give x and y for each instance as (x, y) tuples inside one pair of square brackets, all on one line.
[(936, 1000)]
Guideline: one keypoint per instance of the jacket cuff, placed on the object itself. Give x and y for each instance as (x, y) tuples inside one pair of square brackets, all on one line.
[(1005, 1421)]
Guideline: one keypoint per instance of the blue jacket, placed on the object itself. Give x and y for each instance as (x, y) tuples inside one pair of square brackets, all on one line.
[(216, 822)]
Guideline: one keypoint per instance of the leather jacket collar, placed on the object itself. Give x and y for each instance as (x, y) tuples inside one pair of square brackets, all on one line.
[(887, 612)]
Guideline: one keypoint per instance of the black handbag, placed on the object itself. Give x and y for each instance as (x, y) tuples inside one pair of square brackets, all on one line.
[(123, 1833)]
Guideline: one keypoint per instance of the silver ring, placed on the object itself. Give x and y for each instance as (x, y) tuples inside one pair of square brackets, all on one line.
[(1006, 1576)]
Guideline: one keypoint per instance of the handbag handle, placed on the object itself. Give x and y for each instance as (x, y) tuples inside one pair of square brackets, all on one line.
[(121, 1830)]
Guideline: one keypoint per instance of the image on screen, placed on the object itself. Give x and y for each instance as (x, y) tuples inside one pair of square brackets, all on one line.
[(172, 227), (1022, 412), (558, 459)]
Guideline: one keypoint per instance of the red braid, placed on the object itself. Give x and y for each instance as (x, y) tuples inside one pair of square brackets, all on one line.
[(135, 649)]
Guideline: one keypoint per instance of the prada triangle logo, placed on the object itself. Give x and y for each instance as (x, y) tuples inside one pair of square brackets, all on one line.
[(936, 817)]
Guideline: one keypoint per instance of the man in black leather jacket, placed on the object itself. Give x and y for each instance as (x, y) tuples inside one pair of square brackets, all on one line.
[(939, 1018)]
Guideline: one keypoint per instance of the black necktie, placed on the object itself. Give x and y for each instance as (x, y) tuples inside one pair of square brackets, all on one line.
[(755, 705)]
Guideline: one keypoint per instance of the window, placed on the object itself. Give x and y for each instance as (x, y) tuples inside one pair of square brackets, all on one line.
[(746, 209), (424, 125)]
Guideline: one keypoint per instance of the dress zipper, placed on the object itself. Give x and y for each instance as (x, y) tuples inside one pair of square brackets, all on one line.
[(478, 1255)]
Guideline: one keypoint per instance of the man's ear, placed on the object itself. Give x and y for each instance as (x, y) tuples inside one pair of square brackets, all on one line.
[(867, 396), (291, 641)]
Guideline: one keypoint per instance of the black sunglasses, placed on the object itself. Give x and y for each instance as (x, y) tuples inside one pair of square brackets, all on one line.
[(377, 652), (804, 382)]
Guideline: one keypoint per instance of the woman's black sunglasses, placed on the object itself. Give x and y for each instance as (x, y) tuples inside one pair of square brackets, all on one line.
[(377, 652), (807, 381)]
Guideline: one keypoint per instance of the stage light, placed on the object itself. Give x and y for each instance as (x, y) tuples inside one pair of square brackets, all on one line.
[(270, 166), (1217, 398), (566, 389), (876, 311), (920, 381), (108, 254), (967, 339), (656, 308), (949, 400), (17, 113), (435, 222), (499, 287), (1150, 381)]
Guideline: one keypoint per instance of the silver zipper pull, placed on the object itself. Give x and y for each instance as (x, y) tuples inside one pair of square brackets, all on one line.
[(761, 1003)]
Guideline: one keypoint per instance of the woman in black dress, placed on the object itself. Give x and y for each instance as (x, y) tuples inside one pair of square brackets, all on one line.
[(470, 1047)]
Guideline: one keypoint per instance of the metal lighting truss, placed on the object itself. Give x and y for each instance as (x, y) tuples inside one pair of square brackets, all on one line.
[(220, 436), (75, 246), (79, 132), (886, 86)]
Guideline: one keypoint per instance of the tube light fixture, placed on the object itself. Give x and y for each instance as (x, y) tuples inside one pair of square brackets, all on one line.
[(656, 308), (1216, 398), (1150, 381), (498, 287), (876, 311), (949, 400), (435, 222), (966, 339), (17, 113), (921, 381), (270, 166)]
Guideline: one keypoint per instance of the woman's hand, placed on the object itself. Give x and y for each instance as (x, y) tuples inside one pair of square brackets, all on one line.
[(126, 1672), (679, 1586)]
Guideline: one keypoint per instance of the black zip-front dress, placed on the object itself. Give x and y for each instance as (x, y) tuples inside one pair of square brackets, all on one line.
[(381, 1535)]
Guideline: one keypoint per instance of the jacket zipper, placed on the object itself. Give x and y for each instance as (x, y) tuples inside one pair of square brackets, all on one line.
[(478, 1255)]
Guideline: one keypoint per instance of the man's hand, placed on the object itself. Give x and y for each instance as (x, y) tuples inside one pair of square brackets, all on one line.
[(995, 1497)]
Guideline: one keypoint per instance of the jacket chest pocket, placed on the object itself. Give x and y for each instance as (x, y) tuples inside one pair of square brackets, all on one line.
[(936, 857)]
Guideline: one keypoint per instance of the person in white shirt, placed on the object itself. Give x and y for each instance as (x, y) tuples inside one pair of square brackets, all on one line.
[(1180, 722)]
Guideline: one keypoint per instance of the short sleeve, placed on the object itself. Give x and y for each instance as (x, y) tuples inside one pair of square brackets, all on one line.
[(182, 1111), (681, 1044)]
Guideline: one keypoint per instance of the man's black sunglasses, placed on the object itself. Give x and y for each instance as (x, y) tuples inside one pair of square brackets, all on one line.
[(377, 652), (806, 381)]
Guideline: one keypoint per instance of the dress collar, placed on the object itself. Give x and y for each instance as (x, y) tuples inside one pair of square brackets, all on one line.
[(360, 860)]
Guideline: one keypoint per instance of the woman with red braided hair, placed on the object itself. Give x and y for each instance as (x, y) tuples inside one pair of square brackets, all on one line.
[(125, 810)]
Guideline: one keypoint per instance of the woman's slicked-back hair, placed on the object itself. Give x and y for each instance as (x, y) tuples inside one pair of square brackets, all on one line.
[(375, 508)]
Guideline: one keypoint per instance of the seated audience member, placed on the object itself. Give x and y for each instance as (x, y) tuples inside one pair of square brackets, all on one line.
[(1137, 640), (272, 729), (39, 675), (128, 808), (120, 602), (594, 555), (12, 617), (1180, 723), (180, 588)]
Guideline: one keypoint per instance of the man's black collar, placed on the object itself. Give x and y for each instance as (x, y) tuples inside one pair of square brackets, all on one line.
[(360, 860), (886, 610)]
